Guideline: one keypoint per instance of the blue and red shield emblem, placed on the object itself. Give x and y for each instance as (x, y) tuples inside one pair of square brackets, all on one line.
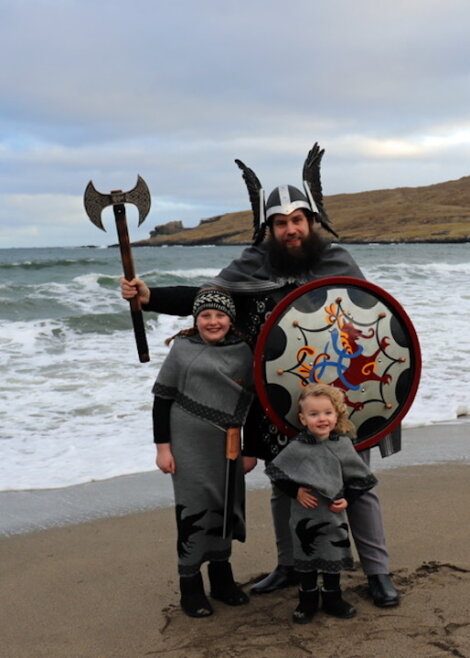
[(348, 333)]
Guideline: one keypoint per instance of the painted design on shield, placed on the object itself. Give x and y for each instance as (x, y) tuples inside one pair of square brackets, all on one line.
[(347, 337), (345, 355)]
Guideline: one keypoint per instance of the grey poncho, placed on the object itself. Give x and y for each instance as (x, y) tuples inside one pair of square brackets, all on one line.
[(332, 469), (209, 385)]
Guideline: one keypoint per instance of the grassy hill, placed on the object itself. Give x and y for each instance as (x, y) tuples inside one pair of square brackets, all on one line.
[(435, 213)]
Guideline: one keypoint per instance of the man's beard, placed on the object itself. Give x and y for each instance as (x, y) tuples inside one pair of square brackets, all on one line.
[(297, 260)]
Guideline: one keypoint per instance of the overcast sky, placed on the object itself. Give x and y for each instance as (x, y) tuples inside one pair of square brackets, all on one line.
[(174, 90)]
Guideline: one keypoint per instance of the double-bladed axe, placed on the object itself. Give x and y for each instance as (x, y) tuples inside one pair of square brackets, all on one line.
[(94, 203)]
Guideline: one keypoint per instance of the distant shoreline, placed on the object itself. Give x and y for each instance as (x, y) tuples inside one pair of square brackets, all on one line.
[(198, 243)]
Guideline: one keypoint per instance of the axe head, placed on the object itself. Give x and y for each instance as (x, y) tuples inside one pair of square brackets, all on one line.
[(94, 201)]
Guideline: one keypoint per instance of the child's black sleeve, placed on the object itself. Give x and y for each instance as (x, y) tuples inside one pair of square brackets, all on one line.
[(161, 419), (288, 487), (352, 495)]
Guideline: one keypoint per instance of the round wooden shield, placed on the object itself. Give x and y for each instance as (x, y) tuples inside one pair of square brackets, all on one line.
[(348, 333)]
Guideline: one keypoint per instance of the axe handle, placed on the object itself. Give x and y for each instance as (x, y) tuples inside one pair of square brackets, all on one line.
[(232, 451), (232, 443), (129, 273)]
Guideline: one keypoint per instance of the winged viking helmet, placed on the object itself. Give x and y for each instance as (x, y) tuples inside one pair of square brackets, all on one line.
[(287, 198)]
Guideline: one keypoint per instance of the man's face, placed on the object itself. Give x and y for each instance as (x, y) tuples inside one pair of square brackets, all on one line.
[(294, 245), (290, 230)]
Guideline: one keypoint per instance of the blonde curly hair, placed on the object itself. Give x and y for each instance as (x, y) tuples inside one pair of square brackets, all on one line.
[(336, 397)]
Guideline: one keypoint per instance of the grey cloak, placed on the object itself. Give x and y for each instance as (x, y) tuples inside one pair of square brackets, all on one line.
[(252, 275), (209, 385), (257, 288), (332, 469)]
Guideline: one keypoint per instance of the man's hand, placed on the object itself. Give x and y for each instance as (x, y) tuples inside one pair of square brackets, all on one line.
[(338, 505), (133, 288), (165, 460), (306, 498), (249, 463)]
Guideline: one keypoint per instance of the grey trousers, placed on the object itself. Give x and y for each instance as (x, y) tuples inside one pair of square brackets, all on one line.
[(365, 521)]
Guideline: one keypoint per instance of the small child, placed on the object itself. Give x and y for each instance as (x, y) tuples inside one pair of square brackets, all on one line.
[(202, 389), (323, 473)]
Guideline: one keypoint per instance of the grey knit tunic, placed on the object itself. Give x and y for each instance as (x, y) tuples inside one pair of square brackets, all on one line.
[(331, 469), (209, 385)]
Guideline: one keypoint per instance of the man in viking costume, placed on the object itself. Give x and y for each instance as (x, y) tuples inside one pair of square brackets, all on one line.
[(289, 249)]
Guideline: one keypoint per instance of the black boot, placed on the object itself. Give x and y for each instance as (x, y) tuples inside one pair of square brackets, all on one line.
[(383, 591), (193, 600), (308, 605), (278, 579), (333, 604), (223, 586)]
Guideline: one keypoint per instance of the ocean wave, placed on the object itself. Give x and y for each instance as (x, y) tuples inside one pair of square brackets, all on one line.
[(22, 340), (179, 275), (99, 323), (47, 264), (75, 402), (440, 268)]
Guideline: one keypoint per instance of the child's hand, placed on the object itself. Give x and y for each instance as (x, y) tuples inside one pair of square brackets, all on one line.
[(165, 460), (306, 498), (249, 463), (338, 505)]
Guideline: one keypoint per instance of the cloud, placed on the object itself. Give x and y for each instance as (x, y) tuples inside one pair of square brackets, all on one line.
[(175, 90), (47, 218)]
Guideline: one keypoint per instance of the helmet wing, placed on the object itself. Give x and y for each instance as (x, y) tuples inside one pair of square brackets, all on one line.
[(313, 188), (256, 194)]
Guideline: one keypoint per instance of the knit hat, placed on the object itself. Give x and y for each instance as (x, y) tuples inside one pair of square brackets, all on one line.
[(212, 298)]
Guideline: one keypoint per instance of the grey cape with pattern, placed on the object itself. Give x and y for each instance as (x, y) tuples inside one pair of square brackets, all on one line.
[(252, 272), (210, 387), (332, 469)]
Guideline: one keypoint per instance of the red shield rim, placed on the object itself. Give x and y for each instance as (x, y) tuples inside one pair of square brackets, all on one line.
[(387, 300)]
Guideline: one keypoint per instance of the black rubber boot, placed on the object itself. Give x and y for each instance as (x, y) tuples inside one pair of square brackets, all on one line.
[(308, 605), (223, 586), (333, 604), (383, 591), (280, 578), (193, 599)]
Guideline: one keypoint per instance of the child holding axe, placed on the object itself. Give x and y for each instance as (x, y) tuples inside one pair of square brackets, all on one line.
[(202, 390)]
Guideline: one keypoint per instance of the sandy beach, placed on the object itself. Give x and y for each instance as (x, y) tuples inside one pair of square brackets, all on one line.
[(108, 587)]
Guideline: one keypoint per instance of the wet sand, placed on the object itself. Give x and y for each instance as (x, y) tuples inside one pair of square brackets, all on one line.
[(109, 587)]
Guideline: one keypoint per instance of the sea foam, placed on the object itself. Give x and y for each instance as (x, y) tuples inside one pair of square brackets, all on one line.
[(75, 403)]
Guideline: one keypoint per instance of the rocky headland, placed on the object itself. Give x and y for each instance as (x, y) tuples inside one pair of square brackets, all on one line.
[(433, 213)]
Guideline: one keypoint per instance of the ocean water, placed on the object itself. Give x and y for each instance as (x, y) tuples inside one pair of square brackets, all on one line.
[(75, 403)]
